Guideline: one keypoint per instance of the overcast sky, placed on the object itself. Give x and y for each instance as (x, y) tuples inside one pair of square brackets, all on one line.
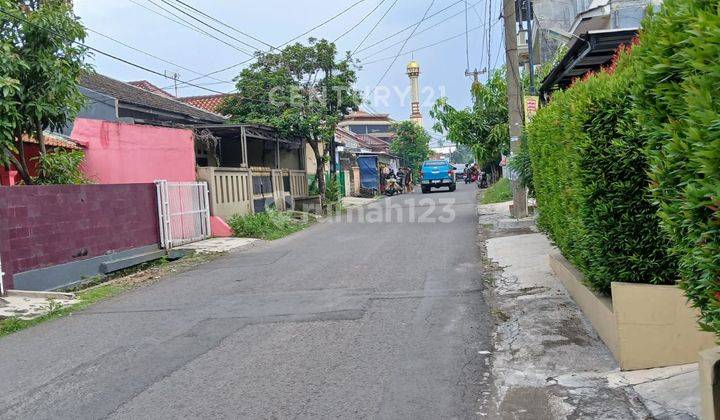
[(277, 21)]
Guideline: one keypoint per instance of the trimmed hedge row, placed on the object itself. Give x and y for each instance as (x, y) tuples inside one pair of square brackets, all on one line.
[(677, 103), (589, 168)]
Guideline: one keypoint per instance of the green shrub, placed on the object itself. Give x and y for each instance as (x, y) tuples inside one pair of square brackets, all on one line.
[(61, 167), (678, 79), (592, 188), (269, 225), (522, 165), (499, 192)]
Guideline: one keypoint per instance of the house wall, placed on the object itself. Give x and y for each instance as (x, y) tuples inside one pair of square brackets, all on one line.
[(43, 226), (32, 152), (119, 153)]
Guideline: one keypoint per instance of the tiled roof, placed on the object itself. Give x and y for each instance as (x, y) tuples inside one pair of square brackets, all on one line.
[(362, 115), (134, 95), (208, 102), (145, 85), (375, 143), (342, 134), (55, 140)]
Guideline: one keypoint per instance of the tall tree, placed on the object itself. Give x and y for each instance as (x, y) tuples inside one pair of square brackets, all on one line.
[(412, 144), (304, 91), (482, 127), (41, 61)]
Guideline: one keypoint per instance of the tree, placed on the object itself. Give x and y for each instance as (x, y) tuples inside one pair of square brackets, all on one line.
[(483, 127), (304, 91), (41, 61), (461, 154), (411, 143)]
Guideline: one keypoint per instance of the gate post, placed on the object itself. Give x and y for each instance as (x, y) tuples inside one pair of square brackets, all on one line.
[(164, 214)]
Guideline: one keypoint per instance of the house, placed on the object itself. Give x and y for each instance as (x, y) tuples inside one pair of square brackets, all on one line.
[(9, 176), (366, 124), (591, 30)]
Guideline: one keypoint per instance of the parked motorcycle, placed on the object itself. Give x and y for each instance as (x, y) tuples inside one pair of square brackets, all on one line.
[(393, 186), (471, 177)]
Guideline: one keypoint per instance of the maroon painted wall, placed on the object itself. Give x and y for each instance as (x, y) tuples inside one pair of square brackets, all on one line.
[(42, 226)]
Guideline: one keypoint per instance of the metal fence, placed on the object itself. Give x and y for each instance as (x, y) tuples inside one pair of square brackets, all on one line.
[(184, 212)]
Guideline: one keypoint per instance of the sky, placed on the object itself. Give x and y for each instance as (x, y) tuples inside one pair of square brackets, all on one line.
[(277, 21)]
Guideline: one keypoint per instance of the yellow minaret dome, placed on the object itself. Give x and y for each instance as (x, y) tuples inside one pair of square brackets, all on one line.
[(413, 65)]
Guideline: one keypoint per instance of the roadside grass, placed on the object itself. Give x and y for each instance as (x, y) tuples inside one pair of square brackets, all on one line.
[(269, 225), (101, 288), (499, 192), (87, 298)]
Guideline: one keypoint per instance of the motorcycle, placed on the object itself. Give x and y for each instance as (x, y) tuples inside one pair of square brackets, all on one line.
[(392, 187), (470, 178)]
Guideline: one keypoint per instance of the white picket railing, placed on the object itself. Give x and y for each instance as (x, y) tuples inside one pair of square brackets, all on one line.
[(2, 276), (183, 212)]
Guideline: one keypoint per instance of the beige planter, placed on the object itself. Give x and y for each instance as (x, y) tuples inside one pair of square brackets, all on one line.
[(710, 383), (644, 326)]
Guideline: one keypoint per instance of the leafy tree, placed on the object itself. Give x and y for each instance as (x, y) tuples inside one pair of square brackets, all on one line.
[(304, 91), (40, 64), (411, 143), (484, 126), (61, 167), (462, 154)]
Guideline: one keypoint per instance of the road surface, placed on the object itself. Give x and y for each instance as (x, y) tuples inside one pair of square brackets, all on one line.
[(378, 315)]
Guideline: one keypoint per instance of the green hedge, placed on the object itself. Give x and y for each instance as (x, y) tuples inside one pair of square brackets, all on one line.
[(590, 178), (677, 103)]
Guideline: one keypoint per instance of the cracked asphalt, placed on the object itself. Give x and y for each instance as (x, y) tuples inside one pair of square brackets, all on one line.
[(347, 319)]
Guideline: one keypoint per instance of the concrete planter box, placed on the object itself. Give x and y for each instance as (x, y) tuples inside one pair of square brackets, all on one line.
[(644, 326)]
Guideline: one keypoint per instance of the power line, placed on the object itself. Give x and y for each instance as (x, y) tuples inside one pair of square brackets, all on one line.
[(190, 15), (467, 39), (185, 23), (404, 44), (225, 24), (152, 55), (123, 60), (347, 9), (374, 27), (410, 27), (416, 34), (426, 46), (360, 22)]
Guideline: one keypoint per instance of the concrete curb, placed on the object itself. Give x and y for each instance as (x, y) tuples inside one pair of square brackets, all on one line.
[(41, 295)]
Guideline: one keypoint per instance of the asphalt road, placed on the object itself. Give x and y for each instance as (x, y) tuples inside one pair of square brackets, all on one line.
[(377, 315)]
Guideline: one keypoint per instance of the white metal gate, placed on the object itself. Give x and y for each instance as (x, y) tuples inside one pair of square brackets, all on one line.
[(184, 212)]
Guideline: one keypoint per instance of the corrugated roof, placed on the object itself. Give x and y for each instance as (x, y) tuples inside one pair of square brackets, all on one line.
[(134, 95)]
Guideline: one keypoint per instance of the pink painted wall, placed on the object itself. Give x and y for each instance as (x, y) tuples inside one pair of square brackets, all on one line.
[(118, 153)]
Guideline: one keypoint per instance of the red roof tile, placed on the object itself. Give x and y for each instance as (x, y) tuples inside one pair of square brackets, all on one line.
[(207, 102), (55, 140), (144, 84)]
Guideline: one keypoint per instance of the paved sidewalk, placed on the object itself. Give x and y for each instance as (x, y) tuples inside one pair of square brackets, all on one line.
[(549, 362), (213, 245)]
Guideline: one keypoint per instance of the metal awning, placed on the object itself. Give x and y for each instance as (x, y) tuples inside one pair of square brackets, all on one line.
[(253, 131), (590, 52)]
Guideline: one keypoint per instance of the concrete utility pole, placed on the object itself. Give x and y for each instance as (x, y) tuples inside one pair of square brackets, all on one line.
[(515, 104), (531, 59)]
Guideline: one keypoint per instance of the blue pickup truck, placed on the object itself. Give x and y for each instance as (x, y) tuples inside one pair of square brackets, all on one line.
[(437, 174)]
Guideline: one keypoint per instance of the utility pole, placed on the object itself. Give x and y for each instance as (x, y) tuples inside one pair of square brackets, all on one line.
[(175, 78), (475, 74), (515, 104), (531, 59)]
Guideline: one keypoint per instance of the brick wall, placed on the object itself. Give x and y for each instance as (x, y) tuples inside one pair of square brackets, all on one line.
[(42, 226)]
